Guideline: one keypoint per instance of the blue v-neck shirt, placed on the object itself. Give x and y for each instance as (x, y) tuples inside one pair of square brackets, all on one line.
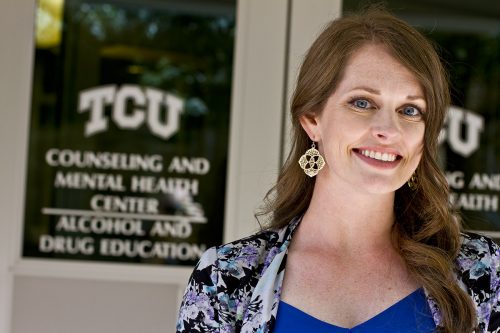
[(409, 315)]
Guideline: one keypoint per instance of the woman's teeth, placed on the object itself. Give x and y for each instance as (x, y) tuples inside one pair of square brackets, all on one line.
[(386, 157)]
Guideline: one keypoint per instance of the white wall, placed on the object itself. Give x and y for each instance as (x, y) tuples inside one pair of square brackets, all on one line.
[(82, 305)]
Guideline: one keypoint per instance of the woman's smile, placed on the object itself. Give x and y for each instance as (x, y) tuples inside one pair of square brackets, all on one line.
[(378, 157)]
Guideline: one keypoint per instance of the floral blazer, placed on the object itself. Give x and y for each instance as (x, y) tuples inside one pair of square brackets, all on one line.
[(236, 287)]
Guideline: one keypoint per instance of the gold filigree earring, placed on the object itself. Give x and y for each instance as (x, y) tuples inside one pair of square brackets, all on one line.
[(413, 182), (311, 162)]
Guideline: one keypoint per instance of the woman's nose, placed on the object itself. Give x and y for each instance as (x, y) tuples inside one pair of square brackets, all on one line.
[(385, 125)]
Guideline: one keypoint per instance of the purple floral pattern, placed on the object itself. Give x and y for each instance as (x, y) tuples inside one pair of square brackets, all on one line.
[(236, 287)]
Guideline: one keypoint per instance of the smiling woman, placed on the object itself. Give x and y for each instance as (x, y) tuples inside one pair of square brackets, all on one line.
[(369, 244)]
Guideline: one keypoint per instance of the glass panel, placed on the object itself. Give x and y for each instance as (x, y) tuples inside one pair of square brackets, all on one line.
[(129, 130), (468, 33)]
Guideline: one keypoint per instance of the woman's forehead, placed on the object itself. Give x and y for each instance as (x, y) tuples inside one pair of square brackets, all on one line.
[(374, 69)]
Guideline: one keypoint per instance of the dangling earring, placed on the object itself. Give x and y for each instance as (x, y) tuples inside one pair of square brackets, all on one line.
[(311, 162), (413, 182)]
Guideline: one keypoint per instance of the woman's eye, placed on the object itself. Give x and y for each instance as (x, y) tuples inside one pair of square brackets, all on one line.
[(361, 103), (411, 111)]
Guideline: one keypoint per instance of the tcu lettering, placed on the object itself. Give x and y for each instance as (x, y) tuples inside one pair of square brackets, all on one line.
[(467, 143), (147, 105)]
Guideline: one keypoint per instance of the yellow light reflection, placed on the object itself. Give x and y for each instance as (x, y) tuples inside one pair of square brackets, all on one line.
[(49, 23)]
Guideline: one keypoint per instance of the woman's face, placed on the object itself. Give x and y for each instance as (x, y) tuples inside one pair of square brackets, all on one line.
[(371, 130)]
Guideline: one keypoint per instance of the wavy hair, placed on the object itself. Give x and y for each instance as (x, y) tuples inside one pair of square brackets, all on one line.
[(426, 232)]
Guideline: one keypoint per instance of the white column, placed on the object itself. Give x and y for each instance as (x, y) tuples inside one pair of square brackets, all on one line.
[(257, 110), (16, 34), (307, 20)]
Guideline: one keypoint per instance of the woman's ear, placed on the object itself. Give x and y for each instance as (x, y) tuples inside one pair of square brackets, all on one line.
[(310, 124)]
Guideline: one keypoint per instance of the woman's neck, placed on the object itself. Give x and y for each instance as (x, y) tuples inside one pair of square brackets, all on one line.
[(341, 217)]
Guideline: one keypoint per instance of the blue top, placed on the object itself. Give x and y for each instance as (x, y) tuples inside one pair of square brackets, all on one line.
[(409, 315)]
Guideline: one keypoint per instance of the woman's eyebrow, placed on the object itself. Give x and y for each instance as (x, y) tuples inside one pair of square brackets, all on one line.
[(370, 90), (377, 92), (414, 97)]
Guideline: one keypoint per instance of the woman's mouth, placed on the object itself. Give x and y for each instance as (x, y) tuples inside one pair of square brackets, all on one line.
[(386, 157), (383, 159)]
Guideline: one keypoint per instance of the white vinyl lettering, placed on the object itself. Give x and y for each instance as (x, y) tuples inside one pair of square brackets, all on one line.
[(66, 245), (131, 107), (467, 143), (197, 166), (455, 179), (175, 106), (95, 101), (137, 98)]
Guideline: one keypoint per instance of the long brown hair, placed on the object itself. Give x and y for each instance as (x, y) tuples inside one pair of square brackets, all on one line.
[(426, 232)]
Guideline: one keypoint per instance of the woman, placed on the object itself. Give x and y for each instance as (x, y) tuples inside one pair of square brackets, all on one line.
[(360, 233)]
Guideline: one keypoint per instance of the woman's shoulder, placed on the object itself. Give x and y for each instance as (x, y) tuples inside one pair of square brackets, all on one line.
[(248, 253), (478, 261), (476, 246)]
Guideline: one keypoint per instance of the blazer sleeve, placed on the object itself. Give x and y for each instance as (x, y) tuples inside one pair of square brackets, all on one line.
[(494, 323), (199, 306)]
